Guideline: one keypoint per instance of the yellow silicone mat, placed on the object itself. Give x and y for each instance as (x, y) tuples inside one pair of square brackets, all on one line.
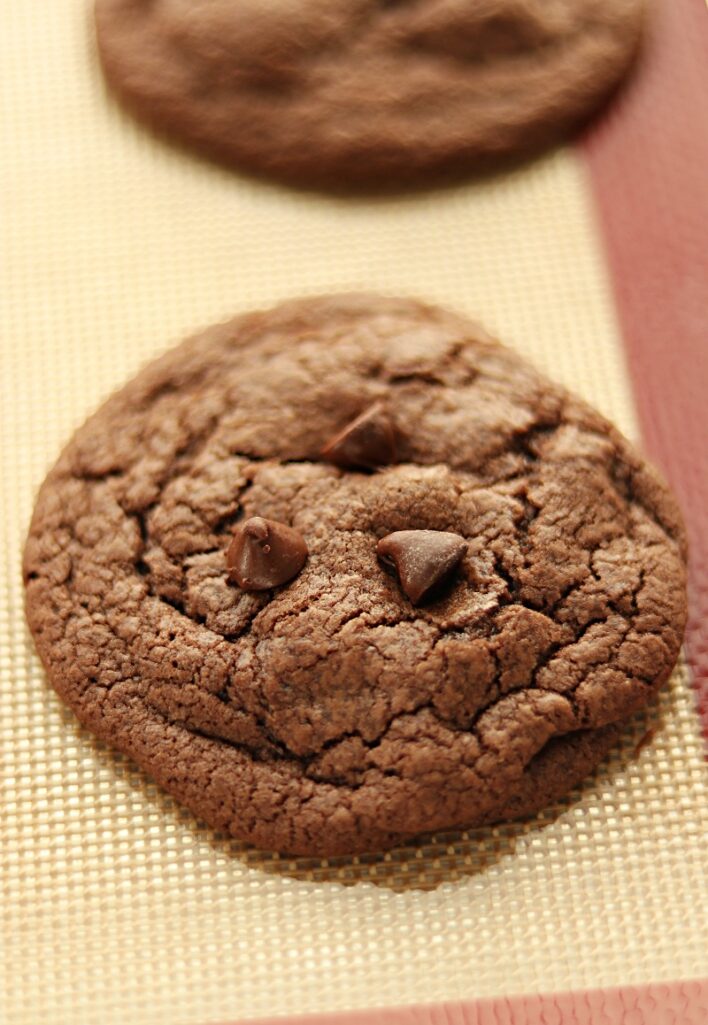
[(117, 907)]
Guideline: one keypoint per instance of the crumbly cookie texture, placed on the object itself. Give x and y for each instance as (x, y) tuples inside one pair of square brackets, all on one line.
[(360, 92), (331, 714)]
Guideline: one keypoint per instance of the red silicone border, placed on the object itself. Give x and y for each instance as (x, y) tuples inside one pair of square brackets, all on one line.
[(648, 164), (678, 1003)]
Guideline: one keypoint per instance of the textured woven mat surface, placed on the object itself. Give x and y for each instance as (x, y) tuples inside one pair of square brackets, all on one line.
[(116, 905)]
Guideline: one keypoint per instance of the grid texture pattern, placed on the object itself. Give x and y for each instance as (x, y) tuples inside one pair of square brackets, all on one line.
[(118, 906)]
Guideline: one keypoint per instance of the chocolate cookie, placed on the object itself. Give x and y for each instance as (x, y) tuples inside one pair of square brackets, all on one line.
[(362, 92), (348, 571)]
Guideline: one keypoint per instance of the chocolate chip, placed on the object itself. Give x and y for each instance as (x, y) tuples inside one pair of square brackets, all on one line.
[(365, 443), (264, 554), (424, 559)]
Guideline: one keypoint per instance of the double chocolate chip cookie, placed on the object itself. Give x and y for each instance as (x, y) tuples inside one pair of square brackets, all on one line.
[(349, 571), (361, 92)]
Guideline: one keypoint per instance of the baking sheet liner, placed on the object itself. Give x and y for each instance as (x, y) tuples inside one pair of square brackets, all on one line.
[(117, 906), (647, 160)]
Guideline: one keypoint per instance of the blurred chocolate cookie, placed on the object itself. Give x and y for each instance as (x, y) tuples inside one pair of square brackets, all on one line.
[(346, 93)]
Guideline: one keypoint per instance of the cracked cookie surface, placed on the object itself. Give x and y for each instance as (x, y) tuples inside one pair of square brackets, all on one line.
[(361, 92), (330, 715)]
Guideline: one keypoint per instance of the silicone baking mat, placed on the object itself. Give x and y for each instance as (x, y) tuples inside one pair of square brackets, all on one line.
[(117, 906)]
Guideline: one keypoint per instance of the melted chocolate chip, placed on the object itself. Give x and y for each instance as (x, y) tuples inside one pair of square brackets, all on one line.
[(365, 443), (264, 554), (424, 559)]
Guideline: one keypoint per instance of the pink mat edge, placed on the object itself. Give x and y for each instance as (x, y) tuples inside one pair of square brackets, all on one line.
[(674, 1003)]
